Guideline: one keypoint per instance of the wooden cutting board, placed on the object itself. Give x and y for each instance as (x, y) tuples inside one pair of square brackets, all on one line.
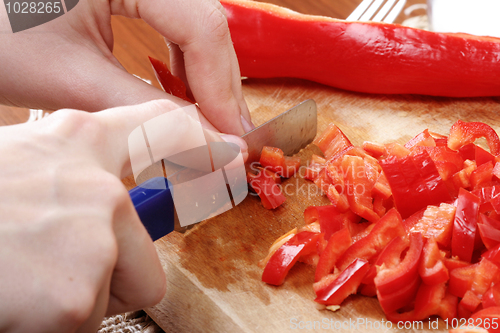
[(213, 279)]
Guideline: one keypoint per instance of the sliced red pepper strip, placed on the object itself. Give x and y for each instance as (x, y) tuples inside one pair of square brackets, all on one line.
[(432, 269), (461, 279), (361, 56), (470, 301), (399, 298), (448, 309), (344, 285), (415, 182), (423, 139), (374, 149), (492, 296), (386, 229), (332, 141), (487, 194), (170, 83), (273, 159), (482, 176), (389, 257), (292, 165), (493, 254), (428, 300), (358, 188), (287, 255), (485, 274), (463, 133), (338, 243), (394, 278), (488, 318), (490, 235), (436, 222), (315, 166), (482, 156), (267, 189), (465, 225)]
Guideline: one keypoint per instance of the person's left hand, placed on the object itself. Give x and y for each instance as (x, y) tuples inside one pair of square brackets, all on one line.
[(68, 62)]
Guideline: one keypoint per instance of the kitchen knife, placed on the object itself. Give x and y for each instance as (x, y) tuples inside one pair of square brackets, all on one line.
[(290, 131)]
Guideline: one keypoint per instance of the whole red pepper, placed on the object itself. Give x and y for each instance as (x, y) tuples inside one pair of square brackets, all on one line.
[(272, 41)]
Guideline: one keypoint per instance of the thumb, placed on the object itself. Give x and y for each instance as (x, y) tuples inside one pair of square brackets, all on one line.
[(149, 132)]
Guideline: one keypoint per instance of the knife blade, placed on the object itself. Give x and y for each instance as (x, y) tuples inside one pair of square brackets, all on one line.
[(290, 131)]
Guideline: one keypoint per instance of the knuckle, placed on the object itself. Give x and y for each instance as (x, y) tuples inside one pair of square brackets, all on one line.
[(216, 25), (113, 192), (70, 123), (73, 311)]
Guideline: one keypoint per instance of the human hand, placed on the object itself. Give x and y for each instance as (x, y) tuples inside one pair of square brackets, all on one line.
[(72, 246), (68, 62)]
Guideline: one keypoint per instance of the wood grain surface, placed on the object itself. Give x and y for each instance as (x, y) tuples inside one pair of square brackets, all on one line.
[(213, 278)]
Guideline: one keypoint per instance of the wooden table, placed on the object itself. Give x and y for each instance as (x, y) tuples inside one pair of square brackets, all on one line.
[(214, 280)]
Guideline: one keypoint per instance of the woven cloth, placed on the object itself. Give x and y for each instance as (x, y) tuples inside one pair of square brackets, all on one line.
[(131, 322)]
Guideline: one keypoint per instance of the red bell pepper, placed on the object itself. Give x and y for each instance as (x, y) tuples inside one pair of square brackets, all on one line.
[(470, 301), (493, 254), (487, 194), (463, 133), (465, 225), (338, 243), (496, 170), (170, 83), (316, 164), (461, 279), (268, 190), (415, 182), (374, 149), (386, 229), (273, 159), (489, 229), (292, 166), (332, 141), (432, 269), (482, 156), (492, 296), (395, 278), (488, 319), (287, 255), (436, 222), (331, 220), (358, 188), (423, 139), (338, 199), (429, 300), (344, 285), (389, 257), (361, 56), (399, 298), (482, 176)]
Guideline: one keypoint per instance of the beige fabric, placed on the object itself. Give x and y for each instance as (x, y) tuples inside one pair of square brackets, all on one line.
[(132, 322)]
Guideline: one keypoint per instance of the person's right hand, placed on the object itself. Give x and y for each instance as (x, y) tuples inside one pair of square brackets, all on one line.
[(72, 248)]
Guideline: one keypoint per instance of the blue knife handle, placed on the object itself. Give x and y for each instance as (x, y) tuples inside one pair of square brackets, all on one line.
[(154, 203)]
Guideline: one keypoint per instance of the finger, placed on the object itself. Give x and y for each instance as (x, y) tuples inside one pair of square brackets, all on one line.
[(138, 279), (177, 64), (201, 31), (178, 69)]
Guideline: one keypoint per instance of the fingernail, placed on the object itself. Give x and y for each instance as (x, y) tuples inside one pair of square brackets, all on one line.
[(247, 126), (238, 141)]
